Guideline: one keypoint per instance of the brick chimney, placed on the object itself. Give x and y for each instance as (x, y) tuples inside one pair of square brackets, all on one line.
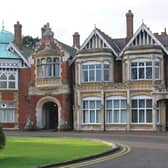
[(76, 40), (129, 24), (18, 34)]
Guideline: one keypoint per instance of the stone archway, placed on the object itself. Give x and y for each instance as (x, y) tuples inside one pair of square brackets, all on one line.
[(48, 113)]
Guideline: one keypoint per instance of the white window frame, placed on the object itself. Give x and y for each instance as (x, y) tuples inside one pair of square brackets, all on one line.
[(112, 109), (88, 121), (5, 110), (102, 70), (138, 109), (153, 67), (7, 72)]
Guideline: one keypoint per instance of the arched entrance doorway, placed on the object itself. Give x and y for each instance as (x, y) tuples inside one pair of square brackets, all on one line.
[(48, 110), (50, 115)]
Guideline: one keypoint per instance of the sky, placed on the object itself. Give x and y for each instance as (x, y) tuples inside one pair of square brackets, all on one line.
[(69, 16)]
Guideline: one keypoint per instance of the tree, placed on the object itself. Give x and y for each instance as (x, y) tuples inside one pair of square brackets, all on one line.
[(29, 41)]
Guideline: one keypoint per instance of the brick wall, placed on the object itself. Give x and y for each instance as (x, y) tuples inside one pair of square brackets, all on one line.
[(24, 99)]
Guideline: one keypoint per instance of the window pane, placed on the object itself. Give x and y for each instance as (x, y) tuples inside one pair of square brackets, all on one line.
[(91, 75), (123, 116), (149, 116), (98, 75), (141, 73), (141, 116), (116, 116), (109, 116), (12, 85), (141, 103), (134, 73), (116, 103), (157, 73), (134, 104), (109, 103), (3, 77), (85, 76), (92, 104), (85, 104), (85, 116), (149, 73), (106, 75), (98, 104), (10, 117), (97, 116), (123, 104), (3, 84), (11, 77), (149, 103), (92, 116), (134, 116)]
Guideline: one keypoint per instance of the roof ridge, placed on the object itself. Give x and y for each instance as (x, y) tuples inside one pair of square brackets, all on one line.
[(110, 38)]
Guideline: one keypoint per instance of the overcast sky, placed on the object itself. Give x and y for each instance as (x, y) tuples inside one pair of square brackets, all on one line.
[(68, 16)]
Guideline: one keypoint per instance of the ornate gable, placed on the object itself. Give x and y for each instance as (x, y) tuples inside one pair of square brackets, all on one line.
[(98, 39), (144, 37)]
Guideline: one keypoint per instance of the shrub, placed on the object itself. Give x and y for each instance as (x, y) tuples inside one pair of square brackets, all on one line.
[(2, 138)]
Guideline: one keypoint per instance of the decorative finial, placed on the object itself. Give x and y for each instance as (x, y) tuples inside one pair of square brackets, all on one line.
[(142, 21), (94, 26), (3, 25)]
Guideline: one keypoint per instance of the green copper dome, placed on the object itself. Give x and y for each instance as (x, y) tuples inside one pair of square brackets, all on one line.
[(6, 36)]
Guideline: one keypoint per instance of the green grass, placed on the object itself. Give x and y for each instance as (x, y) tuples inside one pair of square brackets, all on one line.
[(23, 152)]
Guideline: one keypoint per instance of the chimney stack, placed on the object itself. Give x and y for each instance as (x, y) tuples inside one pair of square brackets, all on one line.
[(76, 40), (129, 24), (18, 34)]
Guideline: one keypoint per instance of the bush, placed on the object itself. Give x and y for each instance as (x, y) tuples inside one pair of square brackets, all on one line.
[(2, 138)]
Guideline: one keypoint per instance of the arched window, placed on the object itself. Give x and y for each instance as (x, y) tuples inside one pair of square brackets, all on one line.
[(142, 69), (91, 110), (116, 110)]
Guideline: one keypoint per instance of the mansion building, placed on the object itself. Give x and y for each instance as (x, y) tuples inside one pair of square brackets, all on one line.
[(102, 85)]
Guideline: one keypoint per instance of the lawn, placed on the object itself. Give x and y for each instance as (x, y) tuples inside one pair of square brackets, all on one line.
[(25, 152)]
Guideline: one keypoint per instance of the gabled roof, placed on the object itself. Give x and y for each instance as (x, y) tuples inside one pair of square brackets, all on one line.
[(69, 49), (143, 27), (18, 53), (110, 43)]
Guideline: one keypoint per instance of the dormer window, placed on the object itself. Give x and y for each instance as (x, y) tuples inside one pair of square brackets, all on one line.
[(48, 67), (143, 69)]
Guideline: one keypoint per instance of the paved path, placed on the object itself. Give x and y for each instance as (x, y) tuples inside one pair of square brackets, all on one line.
[(148, 150)]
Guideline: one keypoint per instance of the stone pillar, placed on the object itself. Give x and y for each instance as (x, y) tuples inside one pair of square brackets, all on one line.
[(154, 122), (129, 117), (103, 125), (163, 115)]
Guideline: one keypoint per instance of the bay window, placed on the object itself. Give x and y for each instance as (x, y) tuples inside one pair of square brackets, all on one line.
[(48, 67), (142, 69), (95, 72)]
